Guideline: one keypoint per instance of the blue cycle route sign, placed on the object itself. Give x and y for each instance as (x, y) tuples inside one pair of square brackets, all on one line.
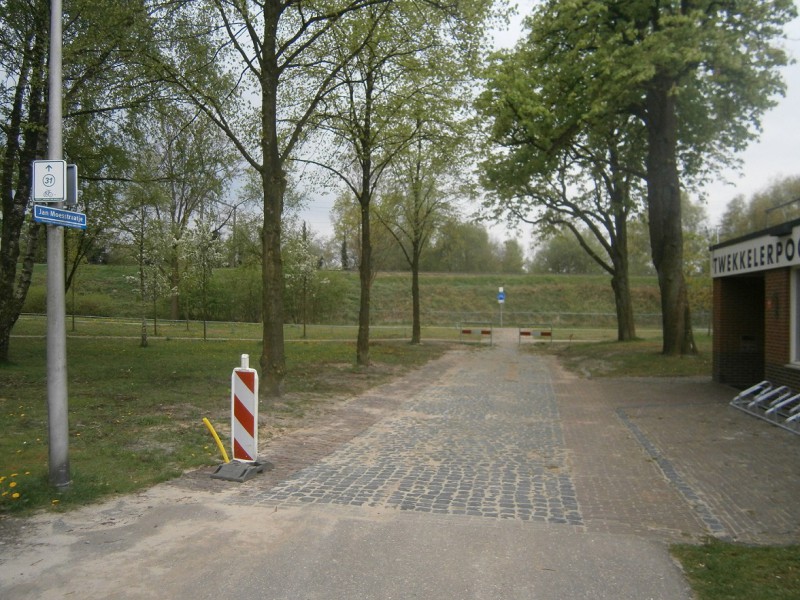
[(58, 216)]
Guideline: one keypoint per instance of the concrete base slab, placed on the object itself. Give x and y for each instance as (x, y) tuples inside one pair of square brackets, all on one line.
[(239, 471)]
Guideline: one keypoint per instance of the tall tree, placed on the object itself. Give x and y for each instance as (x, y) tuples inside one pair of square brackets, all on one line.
[(561, 253), (513, 258), (545, 170), (461, 247), (23, 52), (416, 202), (389, 95), (100, 79), (697, 75), (192, 162), (259, 70)]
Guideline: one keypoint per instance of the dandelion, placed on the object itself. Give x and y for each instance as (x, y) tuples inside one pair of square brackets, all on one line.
[(15, 495), (12, 484), (2, 478), (54, 501)]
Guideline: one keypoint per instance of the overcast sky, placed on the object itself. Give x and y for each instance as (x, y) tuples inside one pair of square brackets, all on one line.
[(775, 155), (777, 152)]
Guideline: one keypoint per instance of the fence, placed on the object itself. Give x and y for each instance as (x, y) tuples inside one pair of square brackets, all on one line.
[(700, 319), (535, 332), (475, 332)]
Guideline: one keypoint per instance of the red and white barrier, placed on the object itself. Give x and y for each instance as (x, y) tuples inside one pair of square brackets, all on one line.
[(545, 333), (244, 412)]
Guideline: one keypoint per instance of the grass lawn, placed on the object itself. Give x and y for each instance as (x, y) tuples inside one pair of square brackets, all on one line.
[(639, 358), (720, 571), (135, 414)]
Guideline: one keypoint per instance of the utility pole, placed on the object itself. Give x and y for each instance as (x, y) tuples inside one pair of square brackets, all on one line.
[(57, 420)]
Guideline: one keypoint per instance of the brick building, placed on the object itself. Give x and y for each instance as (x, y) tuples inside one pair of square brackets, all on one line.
[(756, 315)]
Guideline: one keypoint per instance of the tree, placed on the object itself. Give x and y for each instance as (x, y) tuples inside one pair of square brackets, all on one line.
[(100, 79), (562, 254), (777, 203), (544, 170), (192, 162), (461, 247), (414, 207), (301, 262), (150, 284), (259, 71), (387, 97), (513, 257), (200, 249), (696, 238), (548, 168), (735, 220), (696, 76)]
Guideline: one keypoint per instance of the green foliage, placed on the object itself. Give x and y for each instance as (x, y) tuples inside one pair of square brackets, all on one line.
[(775, 204), (561, 254), (98, 78), (512, 259), (461, 247), (602, 96)]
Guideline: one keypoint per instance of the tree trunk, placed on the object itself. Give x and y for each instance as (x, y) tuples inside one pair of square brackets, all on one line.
[(626, 326), (664, 212), (174, 282), (416, 324), (365, 276), (273, 181), (23, 137), (273, 358), (364, 199), (620, 279)]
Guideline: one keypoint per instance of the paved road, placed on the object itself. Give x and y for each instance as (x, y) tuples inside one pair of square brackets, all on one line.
[(490, 473)]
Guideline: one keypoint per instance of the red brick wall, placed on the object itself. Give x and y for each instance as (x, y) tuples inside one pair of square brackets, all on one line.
[(777, 316), (752, 330)]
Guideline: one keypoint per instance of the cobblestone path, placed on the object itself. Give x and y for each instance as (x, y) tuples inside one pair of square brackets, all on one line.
[(484, 439)]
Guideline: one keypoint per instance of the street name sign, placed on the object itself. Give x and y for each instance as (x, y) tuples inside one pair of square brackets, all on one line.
[(49, 180), (58, 216)]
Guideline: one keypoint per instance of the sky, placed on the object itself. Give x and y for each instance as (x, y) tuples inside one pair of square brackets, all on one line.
[(776, 154)]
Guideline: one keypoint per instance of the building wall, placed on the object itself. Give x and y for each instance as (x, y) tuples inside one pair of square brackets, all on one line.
[(754, 296)]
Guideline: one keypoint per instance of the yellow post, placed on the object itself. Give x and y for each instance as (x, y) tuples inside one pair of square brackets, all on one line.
[(216, 439)]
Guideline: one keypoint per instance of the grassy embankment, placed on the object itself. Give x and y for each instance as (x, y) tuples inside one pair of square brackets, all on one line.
[(564, 302)]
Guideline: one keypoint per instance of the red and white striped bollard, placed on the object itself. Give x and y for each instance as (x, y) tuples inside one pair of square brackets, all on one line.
[(244, 412)]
